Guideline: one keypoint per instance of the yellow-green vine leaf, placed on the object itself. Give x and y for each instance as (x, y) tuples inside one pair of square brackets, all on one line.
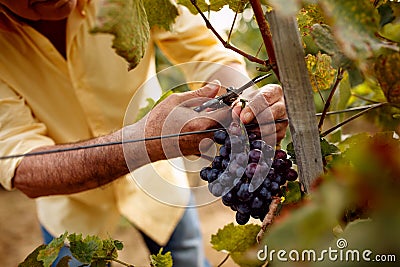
[(50, 253), (240, 242), (160, 13), (235, 238), (127, 21), (320, 71), (161, 260), (84, 249)]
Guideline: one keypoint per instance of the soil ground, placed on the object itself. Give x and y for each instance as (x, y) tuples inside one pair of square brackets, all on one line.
[(20, 234)]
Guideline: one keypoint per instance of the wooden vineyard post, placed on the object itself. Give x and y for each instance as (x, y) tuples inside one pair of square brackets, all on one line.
[(289, 54)]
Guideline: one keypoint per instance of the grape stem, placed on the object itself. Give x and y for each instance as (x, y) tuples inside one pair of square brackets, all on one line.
[(223, 261), (269, 218)]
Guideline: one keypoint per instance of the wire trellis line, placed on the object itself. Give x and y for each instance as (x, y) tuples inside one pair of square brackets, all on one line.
[(145, 139)]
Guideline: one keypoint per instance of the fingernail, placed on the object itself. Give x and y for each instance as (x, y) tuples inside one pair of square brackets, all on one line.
[(214, 84), (247, 117)]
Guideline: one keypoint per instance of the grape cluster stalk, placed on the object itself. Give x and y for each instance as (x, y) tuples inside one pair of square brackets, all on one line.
[(247, 172)]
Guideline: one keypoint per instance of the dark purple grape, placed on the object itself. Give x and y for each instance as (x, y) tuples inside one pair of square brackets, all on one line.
[(274, 187), (243, 193), (257, 144), (280, 179), (255, 155), (235, 129), (242, 218), (224, 151), (204, 173), (241, 158), (257, 203), (252, 136), (247, 172), (236, 144), (225, 163), (216, 189), (268, 151), (279, 165), (261, 170), (228, 142), (220, 136), (213, 175), (288, 164), (225, 179), (266, 183), (265, 194), (255, 183), (251, 169), (291, 175), (280, 154), (217, 162), (228, 199), (240, 171), (243, 208)]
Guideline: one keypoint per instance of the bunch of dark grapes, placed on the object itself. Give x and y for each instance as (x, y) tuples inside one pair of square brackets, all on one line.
[(247, 172)]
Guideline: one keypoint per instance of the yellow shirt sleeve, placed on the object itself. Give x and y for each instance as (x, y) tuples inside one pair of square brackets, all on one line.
[(20, 132), (191, 41)]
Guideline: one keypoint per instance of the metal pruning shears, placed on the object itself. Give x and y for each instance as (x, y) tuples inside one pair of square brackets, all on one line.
[(230, 96)]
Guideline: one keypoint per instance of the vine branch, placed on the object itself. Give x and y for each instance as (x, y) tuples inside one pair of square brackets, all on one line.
[(339, 77), (266, 34), (352, 118), (225, 43), (269, 218)]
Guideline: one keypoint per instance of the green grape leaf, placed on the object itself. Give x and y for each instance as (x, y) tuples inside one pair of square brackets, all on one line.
[(235, 238), (290, 152), (355, 76), (127, 21), (49, 254), (160, 13), (292, 192), (161, 260), (386, 13), (31, 260), (354, 26), (84, 249), (64, 261), (388, 77), (327, 148), (324, 39), (108, 249), (118, 245)]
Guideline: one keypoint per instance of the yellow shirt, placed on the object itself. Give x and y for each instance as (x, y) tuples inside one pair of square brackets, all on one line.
[(46, 100)]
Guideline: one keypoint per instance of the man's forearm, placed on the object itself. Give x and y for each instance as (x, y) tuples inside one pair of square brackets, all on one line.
[(75, 171)]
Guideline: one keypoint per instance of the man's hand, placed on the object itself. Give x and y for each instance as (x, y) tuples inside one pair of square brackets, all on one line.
[(176, 115), (263, 106)]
